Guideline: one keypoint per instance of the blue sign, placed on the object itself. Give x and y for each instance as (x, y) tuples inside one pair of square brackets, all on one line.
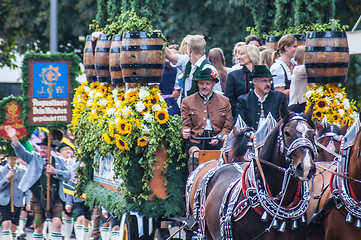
[(50, 79)]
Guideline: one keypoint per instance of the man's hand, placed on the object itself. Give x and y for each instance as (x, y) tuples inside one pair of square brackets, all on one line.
[(186, 133), (10, 173), (68, 208), (50, 169), (28, 207), (214, 142), (11, 132)]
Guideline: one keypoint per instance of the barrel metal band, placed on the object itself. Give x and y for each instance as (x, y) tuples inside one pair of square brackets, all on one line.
[(327, 34), (326, 79), (115, 50), (88, 50), (91, 78), (142, 47), (115, 68), (117, 81), (148, 79), (326, 49), (327, 65), (133, 35), (142, 65), (89, 66), (101, 67), (101, 49), (104, 79)]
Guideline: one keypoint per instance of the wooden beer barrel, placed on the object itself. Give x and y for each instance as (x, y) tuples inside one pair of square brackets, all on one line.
[(101, 58), (272, 42), (301, 39), (142, 59), (326, 57), (114, 61), (88, 60), (157, 183)]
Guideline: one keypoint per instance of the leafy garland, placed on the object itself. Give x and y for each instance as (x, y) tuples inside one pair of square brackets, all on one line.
[(131, 125), (74, 72), (5, 144), (331, 102)]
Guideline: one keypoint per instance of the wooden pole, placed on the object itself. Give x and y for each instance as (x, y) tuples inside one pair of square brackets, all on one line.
[(48, 175), (12, 162)]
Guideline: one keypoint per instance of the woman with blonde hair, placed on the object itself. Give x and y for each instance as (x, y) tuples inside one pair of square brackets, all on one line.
[(266, 57), (238, 81), (235, 62), (216, 57), (299, 83), (283, 66)]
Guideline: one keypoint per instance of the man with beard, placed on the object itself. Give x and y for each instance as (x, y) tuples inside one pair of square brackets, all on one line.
[(255, 105)]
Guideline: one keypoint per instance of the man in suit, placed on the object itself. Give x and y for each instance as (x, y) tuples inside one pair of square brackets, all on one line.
[(35, 180), (205, 114), (255, 105), (10, 220)]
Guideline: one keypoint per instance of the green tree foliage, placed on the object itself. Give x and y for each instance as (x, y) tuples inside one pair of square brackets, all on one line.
[(285, 10), (25, 25), (314, 11)]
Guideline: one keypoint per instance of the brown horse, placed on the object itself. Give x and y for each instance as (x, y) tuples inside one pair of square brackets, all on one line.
[(339, 211), (249, 200)]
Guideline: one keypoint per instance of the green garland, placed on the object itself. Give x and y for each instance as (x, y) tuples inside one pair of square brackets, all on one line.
[(5, 144), (74, 72)]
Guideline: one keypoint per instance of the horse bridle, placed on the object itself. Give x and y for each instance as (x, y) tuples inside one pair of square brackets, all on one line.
[(333, 137), (295, 144)]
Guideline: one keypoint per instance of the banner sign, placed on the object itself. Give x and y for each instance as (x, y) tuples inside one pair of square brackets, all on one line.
[(13, 118), (49, 91)]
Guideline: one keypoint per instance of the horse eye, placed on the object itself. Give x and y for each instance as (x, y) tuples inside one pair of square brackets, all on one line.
[(287, 133)]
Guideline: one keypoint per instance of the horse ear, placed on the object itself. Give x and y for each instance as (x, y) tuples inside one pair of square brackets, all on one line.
[(343, 129), (235, 132), (284, 111), (319, 126), (309, 112)]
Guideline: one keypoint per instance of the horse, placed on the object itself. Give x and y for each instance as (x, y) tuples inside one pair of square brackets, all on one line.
[(248, 201), (338, 211)]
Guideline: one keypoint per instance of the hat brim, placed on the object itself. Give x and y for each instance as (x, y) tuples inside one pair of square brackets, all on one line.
[(262, 76), (200, 79), (52, 145)]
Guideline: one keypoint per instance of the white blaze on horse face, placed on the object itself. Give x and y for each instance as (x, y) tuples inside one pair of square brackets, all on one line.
[(307, 160)]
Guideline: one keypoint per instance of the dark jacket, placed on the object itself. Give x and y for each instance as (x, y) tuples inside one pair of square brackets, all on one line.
[(238, 83), (250, 109)]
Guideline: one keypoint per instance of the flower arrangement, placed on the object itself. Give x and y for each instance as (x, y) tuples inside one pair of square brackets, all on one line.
[(331, 102), (130, 124)]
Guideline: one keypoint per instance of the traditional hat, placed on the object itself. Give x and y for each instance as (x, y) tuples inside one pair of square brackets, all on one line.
[(45, 142), (61, 146), (261, 71), (207, 74)]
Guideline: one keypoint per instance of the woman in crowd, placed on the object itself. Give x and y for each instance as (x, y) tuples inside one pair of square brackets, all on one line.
[(299, 83), (216, 57), (254, 40), (266, 57), (235, 62), (238, 82), (284, 64)]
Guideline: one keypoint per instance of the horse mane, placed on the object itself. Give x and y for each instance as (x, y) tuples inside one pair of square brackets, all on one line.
[(239, 144), (336, 129)]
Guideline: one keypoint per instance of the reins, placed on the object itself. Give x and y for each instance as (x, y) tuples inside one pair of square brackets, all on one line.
[(338, 174)]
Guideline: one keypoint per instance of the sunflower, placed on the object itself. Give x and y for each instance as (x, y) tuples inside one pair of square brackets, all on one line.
[(121, 143), (161, 116), (336, 117), (111, 130), (153, 99), (106, 138), (142, 141), (146, 109), (321, 104), (124, 127), (317, 114)]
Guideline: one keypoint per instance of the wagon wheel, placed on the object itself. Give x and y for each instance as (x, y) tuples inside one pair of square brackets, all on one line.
[(130, 231), (161, 234)]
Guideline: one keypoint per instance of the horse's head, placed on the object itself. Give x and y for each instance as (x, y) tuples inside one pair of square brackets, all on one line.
[(297, 142), (328, 140), (242, 142)]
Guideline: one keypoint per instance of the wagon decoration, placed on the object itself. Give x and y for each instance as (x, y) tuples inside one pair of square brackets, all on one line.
[(331, 101), (135, 127)]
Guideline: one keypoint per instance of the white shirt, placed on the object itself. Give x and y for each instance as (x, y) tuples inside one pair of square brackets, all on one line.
[(276, 69), (262, 116), (182, 63)]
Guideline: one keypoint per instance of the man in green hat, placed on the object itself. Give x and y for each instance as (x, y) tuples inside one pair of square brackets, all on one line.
[(255, 105), (205, 114)]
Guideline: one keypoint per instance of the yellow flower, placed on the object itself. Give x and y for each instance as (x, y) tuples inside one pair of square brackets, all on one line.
[(161, 116), (121, 143), (317, 114), (321, 104), (146, 109), (142, 141), (124, 127), (111, 130), (106, 138), (153, 99)]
